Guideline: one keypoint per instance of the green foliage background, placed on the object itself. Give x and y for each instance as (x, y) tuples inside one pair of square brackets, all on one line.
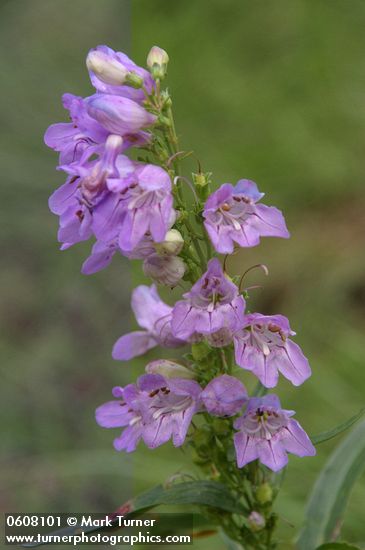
[(271, 90)]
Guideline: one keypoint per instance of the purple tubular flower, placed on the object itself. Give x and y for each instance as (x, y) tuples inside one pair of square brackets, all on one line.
[(232, 215), (263, 346), (126, 65), (224, 396), (138, 204), (76, 200), (167, 409), (155, 409), (154, 316), (268, 433), (117, 114), (213, 303)]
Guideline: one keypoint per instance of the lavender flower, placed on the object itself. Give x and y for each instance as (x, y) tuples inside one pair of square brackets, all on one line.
[(232, 215), (213, 303), (268, 433), (263, 346), (138, 204), (71, 139), (106, 69), (76, 200), (224, 396), (168, 408), (118, 114), (155, 409), (154, 316)]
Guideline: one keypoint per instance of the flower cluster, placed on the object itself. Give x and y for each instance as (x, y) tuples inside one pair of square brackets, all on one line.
[(137, 208), (127, 206), (213, 310)]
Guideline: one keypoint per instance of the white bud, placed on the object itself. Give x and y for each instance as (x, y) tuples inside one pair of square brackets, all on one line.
[(157, 61), (107, 69), (157, 56), (172, 245), (166, 270), (169, 369), (256, 521)]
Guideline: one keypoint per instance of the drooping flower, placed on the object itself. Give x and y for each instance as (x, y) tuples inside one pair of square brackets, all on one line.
[(232, 215), (224, 396), (166, 270), (107, 68), (154, 316), (136, 206), (117, 114), (263, 346), (84, 134), (155, 409), (267, 433), (213, 303), (171, 245)]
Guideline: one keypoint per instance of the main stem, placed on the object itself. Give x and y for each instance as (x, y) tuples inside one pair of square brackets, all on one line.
[(212, 441)]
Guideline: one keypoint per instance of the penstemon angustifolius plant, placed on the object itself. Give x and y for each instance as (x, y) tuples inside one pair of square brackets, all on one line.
[(140, 209)]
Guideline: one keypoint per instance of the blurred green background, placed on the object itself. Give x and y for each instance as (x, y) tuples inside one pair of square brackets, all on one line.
[(271, 90)]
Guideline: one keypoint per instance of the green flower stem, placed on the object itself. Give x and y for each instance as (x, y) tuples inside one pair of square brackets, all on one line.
[(211, 442)]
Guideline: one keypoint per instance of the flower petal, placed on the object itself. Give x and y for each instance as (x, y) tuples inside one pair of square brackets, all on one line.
[(132, 345), (296, 441)]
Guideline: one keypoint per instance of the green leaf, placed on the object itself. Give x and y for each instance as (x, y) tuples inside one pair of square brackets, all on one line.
[(202, 493), (207, 493), (325, 436), (332, 490), (338, 546)]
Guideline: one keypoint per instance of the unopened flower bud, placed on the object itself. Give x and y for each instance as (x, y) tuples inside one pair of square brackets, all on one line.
[(172, 245), (200, 179), (224, 396), (106, 68), (157, 61), (169, 369), (166, 270), (264, 493), (256, 521)]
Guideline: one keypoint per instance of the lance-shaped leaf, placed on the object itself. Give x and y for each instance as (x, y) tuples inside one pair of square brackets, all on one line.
[(329, 434), (206, 493), (332, 490), (201, 493)]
